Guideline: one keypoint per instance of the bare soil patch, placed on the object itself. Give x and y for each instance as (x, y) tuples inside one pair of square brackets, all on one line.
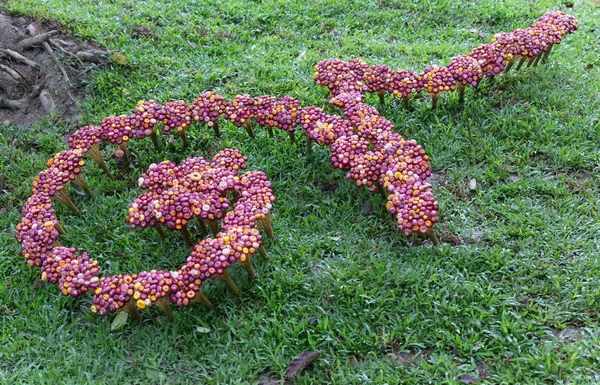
[(42, 70)]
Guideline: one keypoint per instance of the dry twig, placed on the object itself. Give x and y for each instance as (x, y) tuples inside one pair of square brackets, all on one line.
[(13, 104), (12, 72), (64, 51), (37, 39), (61, 68), (20, 58)]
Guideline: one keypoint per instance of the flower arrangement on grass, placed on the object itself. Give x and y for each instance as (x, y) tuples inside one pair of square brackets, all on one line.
[(466, 71), (530, 45), (362, 143), (207, 108), (175, 195)]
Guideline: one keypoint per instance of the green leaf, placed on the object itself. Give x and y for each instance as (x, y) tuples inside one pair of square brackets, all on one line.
[(120, 320), (154, 374)]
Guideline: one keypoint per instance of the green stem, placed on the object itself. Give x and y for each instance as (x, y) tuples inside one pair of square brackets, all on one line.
[(267, 226), (248, 267), (165, 306), (509, 66), (547, 54), (60, 229), (132, 310), (461, 93), (308, 145), (215, 127), (292, 136), (381, 190), (248, 127), (523, 59), (126, 158), (160, 230), (81, 182), (63, 197), (184, 138), (263, 252), (213, 225), (203, 229), (381, 94), (201, 298), (433, 237), (154, 138), (96, 155), (225, 277), (187, 236), (434, 98)]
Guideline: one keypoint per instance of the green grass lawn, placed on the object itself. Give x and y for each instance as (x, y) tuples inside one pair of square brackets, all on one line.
[(512, 296)]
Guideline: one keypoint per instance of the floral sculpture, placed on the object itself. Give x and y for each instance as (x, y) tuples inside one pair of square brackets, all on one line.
[(236, 205)]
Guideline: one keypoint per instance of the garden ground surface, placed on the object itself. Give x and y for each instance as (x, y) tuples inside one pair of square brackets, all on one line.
[(512, 296)]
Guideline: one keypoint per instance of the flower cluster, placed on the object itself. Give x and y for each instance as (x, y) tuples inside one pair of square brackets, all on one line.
[(466, 71), (113, 293), (437, 80), (175, 193), (195, 188), (490, 59), (75, 274), (380, 159), (322, 128), (564, 23), (37, 232), (403, 84), (176, 116), (207, 108), (410, 199), (338, 75), (240, 110), (284, 115), (117, 129), (267, 111), (64, 167), (377, 78), (84, 138), (146, 115)]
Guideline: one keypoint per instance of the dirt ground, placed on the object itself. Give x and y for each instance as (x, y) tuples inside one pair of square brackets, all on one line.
[(32, 82)]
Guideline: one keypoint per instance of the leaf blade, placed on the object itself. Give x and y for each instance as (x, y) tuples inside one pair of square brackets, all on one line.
[(120, 320)]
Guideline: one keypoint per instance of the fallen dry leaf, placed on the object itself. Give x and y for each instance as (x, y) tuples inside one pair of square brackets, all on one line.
[(142, 30), (524, 300), (366, 208), (119, 58), (34, 29), (468, 379), (300, 362)]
